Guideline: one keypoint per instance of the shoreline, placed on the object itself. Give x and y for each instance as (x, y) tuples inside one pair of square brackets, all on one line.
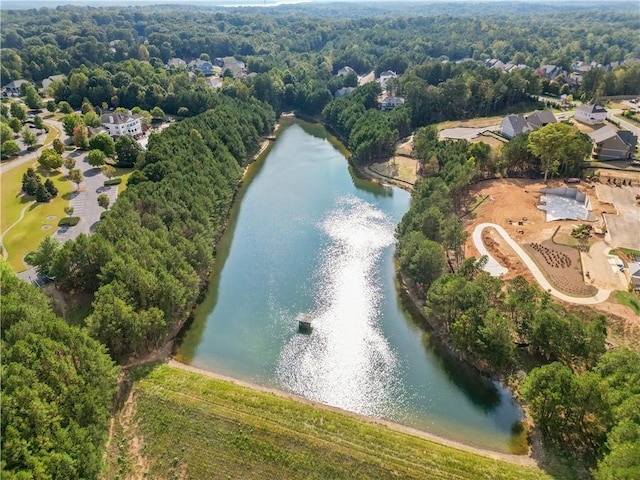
[(165, 353), (524, 460)]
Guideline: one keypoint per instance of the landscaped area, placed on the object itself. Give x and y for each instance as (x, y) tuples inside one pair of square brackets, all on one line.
[(178, 424)]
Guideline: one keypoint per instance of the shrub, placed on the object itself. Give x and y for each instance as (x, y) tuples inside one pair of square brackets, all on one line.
[(68, 221), (113, 181)]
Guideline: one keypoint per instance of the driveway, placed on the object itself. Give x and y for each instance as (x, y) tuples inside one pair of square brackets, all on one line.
[(599, 297), (624, 226)]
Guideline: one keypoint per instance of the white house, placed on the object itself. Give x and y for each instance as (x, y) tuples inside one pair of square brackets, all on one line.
[(385, 77), (119, 124), (345, 70), (590, 114)]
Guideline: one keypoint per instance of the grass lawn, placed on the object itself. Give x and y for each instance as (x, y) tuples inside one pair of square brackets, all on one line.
[(28, 233), (185, 425), (124, 174), (629, 299)]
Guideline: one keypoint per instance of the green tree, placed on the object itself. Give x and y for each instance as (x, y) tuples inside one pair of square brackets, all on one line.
[(65, 108), (68, 210), (50, 159), (51, 106), (57, 389), (69, 163), (103, 142), (76, 177), (32, 99), (421, 259), (38, 123), (108, 171), (28, 137), (15, 124), (157, 113), (50, 187), (6, 133), (70, 121), (558, 145), (30, 181), (127, 150), (9, 148), (58, 146), (91, 119), (42, 194), (43, 256), (17, 111), (96, 158), (103, 201)]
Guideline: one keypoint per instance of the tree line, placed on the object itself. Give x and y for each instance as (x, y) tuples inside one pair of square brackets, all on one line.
[(583, 399)]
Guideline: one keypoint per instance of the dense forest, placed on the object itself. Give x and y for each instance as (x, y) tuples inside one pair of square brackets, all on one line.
[(58, 387), (149, 258)]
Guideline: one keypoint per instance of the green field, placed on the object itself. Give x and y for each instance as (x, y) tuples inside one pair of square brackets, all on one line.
[(179, 424), (629, 299)]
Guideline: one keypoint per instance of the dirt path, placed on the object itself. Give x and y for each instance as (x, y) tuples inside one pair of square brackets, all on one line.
[(514, 459)]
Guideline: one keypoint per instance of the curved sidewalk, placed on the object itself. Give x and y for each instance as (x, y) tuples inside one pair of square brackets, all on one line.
[(495, 269)]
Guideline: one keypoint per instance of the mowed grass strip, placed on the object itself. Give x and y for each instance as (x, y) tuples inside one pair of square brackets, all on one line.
[(188, 425)]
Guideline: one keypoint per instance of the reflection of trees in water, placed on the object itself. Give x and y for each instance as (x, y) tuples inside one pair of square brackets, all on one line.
[(479, 389)]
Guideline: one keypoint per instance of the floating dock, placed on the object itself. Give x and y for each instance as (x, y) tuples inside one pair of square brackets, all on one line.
[(304, 323)]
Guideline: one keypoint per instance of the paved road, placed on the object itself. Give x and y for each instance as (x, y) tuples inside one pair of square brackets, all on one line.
[(599, 297), (33, 156), (623, 123)]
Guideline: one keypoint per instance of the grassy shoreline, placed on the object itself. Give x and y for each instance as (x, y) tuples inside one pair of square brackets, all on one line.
[(178, 424)]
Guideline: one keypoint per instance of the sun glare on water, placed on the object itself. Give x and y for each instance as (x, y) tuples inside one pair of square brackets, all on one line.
[(346, 361)]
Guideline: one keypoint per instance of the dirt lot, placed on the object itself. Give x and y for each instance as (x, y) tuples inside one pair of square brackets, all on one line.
[(517, 200), (624, 221)]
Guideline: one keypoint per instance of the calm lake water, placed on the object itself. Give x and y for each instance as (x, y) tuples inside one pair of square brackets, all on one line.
[(309, 237)]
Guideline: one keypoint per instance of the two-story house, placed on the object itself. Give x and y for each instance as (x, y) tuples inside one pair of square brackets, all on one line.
[(590, 114), (119, 124)]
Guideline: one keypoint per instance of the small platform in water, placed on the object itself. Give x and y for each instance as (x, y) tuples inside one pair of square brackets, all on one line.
[(304, 323)]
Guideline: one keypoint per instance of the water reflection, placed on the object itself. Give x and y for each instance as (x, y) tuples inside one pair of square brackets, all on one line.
[(347, 361)]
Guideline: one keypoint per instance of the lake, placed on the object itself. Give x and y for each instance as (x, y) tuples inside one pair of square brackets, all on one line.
[(309, 237)]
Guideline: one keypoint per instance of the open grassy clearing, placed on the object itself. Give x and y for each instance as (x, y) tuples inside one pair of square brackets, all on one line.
[(38, 221), (178, 424)]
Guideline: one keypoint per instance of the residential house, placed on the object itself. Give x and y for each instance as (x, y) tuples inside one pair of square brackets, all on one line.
[(513, 125), (118, 124), (205, 67), (550, 71), (49, 80), (176, 62), (12, 89), (213, 82), (343, 92), (634, 274), (345, 70), (237, 67), (612, 144), (385, 77), (389, 102), (590, 114), (539, 118)]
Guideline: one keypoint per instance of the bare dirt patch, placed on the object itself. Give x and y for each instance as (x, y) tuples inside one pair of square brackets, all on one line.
[(562, 267)]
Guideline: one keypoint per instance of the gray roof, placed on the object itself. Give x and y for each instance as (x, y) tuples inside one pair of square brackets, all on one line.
[(540, 118), (518, 123), (16, 84), (602, 134), (591, 108), (607, 132), (117, 118)]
